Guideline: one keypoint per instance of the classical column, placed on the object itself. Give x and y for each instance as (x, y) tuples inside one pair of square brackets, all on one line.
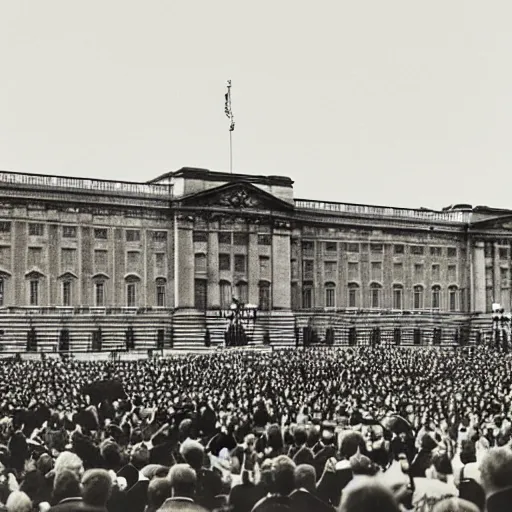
[(185, 263), (478, 299), (496, 274), (213, 295), (253, 267), (281, 273)]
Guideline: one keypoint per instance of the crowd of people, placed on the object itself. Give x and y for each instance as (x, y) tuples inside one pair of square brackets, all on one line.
[(359, 429)]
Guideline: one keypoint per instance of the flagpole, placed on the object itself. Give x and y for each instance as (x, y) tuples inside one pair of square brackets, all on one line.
[(229, 114), (231, 151)]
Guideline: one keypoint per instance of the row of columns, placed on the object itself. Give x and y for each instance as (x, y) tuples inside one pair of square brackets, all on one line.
[(185, 272)]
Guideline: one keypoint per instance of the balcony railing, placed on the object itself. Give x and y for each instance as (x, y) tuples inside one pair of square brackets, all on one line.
[(382, 211), (82, 310), (58, 182)]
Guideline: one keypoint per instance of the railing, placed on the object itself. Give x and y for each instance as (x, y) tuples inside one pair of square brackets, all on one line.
[(383, 211), (82, 310), (53, 182)]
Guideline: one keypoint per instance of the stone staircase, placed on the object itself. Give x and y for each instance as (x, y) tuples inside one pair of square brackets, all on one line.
[(189, 327)]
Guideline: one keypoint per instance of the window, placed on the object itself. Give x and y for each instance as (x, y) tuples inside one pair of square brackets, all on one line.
[(160, 293), (398, 249), (330, 295), (66, 293), (69, 231), (436, 272), (375, 294), (503, 253), (397, 296), (488, 250), (5, 256), (264, 295), (5, 227), (417, 250), (353, 271), (376, 271), (452, 273), (36, 229), (224, 262), (264, 265), (132, 235), (353, 295), (200, 262), (451, 252), (398, 271), (331, 246), (307, 295), (308, 246), (330, 267), (418, 272), (101, 233), (240, 239), (294, 264), (264, 240), (452, 298), (418, 297), (160, 236), (242, 292), (436, 251), (436, 297), (308, 267), (504, 272), (225, 294), (2, 291), (131, 294), (240, 265), (34, 292), (376, 248), (225, 238), (99, 292), (352, 247), (200, 236)]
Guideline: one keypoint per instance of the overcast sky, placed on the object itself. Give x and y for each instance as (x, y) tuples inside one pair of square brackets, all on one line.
[(395, 102)]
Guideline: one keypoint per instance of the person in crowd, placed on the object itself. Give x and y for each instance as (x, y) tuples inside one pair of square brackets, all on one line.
[(304, 497), (183, 480), (159, 490), (496, 475), (96, 489), (368, 495), (18, 501)]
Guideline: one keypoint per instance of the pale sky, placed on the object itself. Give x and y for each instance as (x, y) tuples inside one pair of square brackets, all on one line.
[(393, 102)]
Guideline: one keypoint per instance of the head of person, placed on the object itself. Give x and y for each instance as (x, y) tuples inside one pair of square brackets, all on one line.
[(159, 490), (193, 453), (455, 505), (18, 501), (283, 475), (66, 485), (96, 487), (305, 477), (300, 435), (351, 442), (367, 495), (140, 456), (71, 462), (183, 480), (496, 470)]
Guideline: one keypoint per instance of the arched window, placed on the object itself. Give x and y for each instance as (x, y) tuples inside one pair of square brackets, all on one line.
[(225, 294), (436, 297), (67, 281), (330, 295), (160, 292), (353, 295), (452, 298), (398, 296), (132, 289), (417, 297), (264, 295), (375, 295), (200, 262), (100, 289), (34, 280), (242, 293), (307, 294)]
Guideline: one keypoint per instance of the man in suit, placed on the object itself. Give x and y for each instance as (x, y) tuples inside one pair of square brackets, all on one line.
[(496, 474), (183, 481), (303, 497)]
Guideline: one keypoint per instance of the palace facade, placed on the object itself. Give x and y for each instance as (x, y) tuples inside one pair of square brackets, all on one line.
[(89, 264)]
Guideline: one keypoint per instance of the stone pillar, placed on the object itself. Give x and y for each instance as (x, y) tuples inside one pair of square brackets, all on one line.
[(185, 270), (213, 296), (253, 268), (496, 292), (478, 299), (281, 273)]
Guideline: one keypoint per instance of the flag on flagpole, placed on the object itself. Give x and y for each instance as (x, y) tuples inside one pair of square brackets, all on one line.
[(227, 108)]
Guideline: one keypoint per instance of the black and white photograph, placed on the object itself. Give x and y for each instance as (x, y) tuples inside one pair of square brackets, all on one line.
[(255, 256)]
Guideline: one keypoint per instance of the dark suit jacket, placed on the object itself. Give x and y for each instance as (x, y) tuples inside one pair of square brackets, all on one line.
[(304, 501), (243, 497), (174, 504), (272, 503), (500, 502), (75, 505)]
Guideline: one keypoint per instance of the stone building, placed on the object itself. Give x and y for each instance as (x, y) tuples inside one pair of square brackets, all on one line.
[(90, 264)]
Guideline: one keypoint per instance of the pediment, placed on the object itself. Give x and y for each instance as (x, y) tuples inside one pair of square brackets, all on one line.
[(237, 196), (67, 276)]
